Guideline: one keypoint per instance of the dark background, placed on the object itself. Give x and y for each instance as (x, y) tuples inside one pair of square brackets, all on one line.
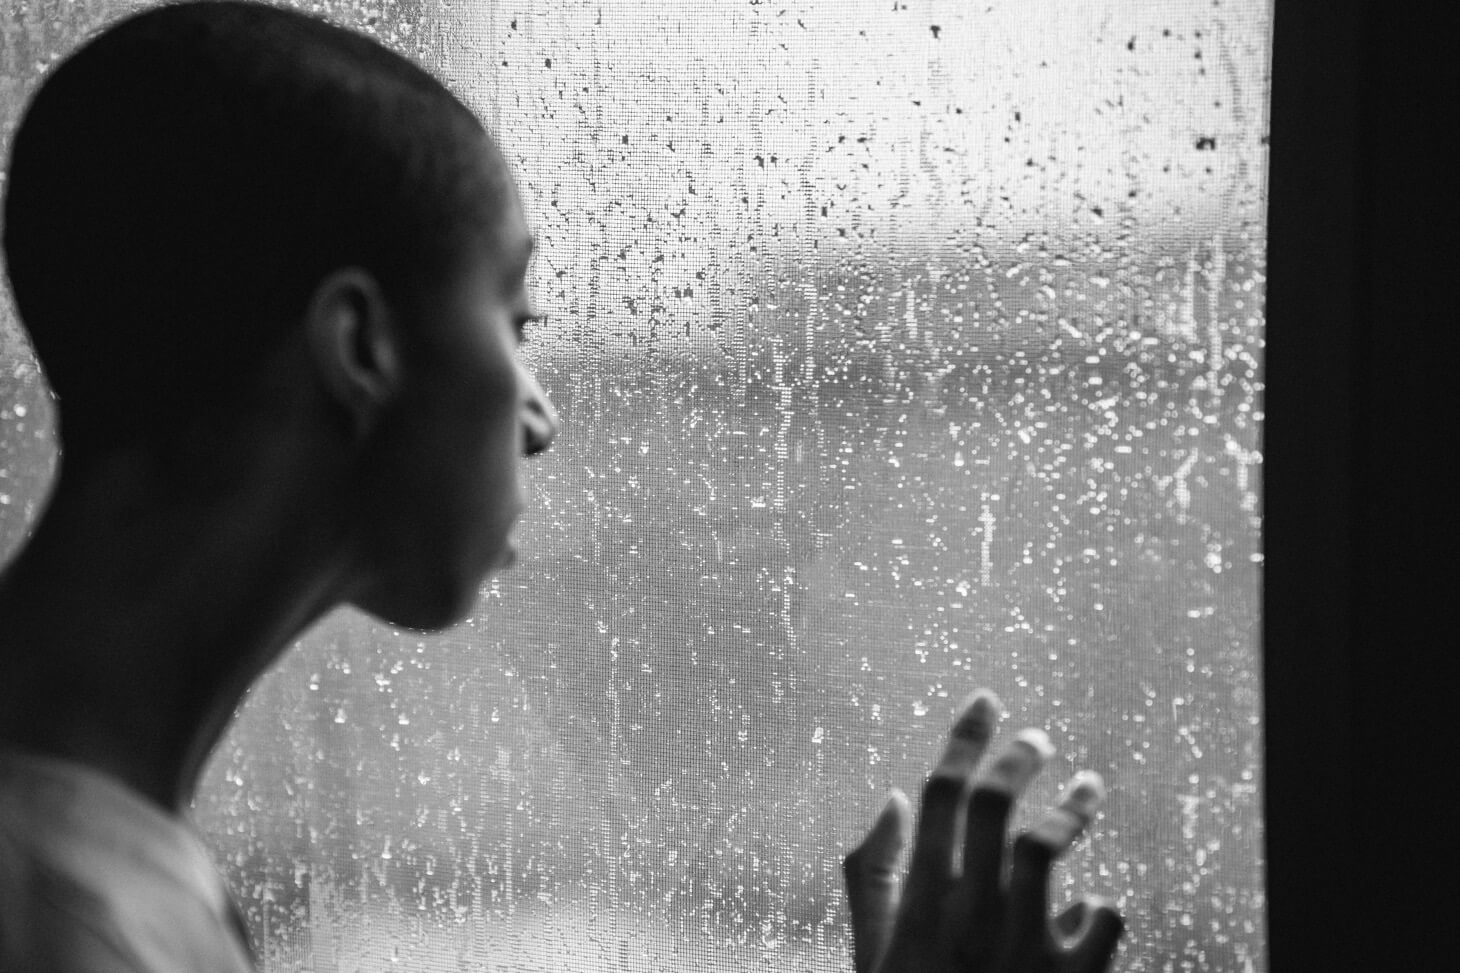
[(1359, 523)]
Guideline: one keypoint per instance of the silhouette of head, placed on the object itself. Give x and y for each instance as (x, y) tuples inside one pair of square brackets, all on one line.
[(203, 181)]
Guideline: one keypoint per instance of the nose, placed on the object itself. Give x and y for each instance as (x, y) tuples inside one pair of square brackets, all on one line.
[(540, 423)]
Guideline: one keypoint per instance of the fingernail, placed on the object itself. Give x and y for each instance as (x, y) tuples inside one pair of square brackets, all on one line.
[(1037, 740), (892, 819), (1018, 763), (987, 702), (895, 800), (1085, 793), (977, 718)]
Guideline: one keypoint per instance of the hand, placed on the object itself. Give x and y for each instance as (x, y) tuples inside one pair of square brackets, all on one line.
[(957, 913)]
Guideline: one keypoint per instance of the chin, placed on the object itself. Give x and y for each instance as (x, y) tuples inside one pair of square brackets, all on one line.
[(422, 609), (440, 595)]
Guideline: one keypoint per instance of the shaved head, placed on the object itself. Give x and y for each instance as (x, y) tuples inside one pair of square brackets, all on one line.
[(180, 184)]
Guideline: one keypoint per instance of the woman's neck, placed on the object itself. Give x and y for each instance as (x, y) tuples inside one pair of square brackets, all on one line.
[(131, 626)]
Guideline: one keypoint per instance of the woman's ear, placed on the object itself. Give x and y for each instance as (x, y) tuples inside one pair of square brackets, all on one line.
[(354, 345)]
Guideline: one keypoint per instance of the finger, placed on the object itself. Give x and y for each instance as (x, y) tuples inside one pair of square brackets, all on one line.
[(1089, 950), (980, 900), (1035, 851), (995, 790), (1071, 920), (933, 866), (983, 847), (970, 736), (1017, 763), (1074, 812), (933, 862), (871, 874)]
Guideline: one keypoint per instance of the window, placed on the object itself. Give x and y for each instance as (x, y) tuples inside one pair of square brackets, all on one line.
[(903, 348)]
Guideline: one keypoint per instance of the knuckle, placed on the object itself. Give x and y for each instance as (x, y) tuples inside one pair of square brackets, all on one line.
[(991, 800), (1032, 847), (942, 789), (1112, 920), (1059, 828)]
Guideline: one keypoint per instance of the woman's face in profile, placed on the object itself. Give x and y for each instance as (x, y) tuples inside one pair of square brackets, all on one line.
[(467, 413)]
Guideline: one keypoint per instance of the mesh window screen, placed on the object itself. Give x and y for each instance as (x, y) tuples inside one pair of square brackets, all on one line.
[(903, 347)]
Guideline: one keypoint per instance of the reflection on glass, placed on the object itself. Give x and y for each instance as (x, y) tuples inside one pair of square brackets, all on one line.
[(903, 348)]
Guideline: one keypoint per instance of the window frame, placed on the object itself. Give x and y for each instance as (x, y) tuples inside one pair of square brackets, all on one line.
[(1357, 269)]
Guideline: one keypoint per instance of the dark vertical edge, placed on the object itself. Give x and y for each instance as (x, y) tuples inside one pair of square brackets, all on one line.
[(1358, 504), (1407, 381), (1308, 505)]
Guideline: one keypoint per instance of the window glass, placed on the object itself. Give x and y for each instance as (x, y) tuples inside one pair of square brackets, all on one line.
[(903, 347)]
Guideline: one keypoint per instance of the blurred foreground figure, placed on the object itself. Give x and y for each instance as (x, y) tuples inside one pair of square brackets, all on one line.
[(275, 275)]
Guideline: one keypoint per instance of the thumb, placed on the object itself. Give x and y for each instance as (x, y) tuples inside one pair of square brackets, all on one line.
[(873, 886)]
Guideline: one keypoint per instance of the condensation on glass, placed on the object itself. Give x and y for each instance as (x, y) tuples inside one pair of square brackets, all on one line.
[(903, 348)]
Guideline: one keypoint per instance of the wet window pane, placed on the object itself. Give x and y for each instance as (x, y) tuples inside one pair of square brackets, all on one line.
[(903, 347)]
